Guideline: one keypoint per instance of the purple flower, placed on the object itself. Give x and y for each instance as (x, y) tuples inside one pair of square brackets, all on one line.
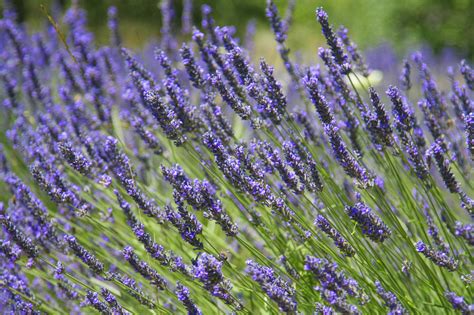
[(26, 198), (340, 242), (205, 50), (319, 101), (332, 40), (277, 103), (437, 152), (133, 289), (334, 285), (273, 159), (370, 223), (187, 17), (241, 109), (93, 299), (183, 295), (25, 243), (208, 270), (144, 269), (404, 118), (379, 126), (208, 23), (322, 309), (466, 231), (146, 135), (353, 51), (121, 168), (165, 116), (216, 120), (115, 307), (435, 101), (187, 224), (350, 165), (279, 27), (434, 233), (195, 73), (298, 157), (89, 259), (201, 196), (168, 41), (274, 286), (241, 64), (137, 71), (390, 300), (75, 158), (438, 257), (405, 76), (458, 303), (12, 252), (468, 74), (414, 156), (112, 23)]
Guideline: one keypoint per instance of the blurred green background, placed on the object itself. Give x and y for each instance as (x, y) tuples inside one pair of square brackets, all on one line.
[(406, 24)]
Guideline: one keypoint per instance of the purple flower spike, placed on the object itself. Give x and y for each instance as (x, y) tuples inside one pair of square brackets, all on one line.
[(371, 224), (340, 242), (458, 303), (332, 40), (208, 270), (274, 286), (183, 295), (439, 258), (390, 300), (83, 254), (144, 269), (279, 27)]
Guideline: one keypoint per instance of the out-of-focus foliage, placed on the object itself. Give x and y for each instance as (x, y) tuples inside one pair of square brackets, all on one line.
[(438, 23)]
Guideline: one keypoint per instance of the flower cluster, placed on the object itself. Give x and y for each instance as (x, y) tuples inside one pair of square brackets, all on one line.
[(277, 289), (335, 286), (371, 224), (192, 176)]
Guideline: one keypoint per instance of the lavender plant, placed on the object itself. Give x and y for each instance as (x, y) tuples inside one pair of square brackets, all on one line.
[(199, 178)]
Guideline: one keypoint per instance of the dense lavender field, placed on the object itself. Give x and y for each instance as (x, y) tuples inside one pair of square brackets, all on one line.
[(187, 178)]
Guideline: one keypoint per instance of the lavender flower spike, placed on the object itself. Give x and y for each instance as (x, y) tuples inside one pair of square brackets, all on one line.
[(437, 152), (465, 231), (276, 288), (468, 74), (334, 284), (405, 76), (353, 52), (338, 239), (142, 268), (333, 41), (279, 26), (195, 72), (319, 101), (182, 293), (439, 258), (89, 259), (458, 303), (390, 300), (116, 308), (371, 224), (403, 114), (208, 270), (350, 165), (382, 130), (75, 158), (93, 299), (112, 23), (25, 243)]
